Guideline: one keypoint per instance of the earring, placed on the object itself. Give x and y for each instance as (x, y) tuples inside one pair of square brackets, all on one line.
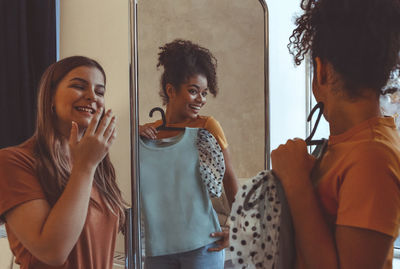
[(53, 109)]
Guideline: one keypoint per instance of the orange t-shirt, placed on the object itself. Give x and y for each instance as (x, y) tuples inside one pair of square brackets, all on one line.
[(206, 122), (19, 184), (358, 179)]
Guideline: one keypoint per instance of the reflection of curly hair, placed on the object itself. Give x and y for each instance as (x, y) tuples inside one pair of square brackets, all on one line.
[(183, 59), (360, 38)]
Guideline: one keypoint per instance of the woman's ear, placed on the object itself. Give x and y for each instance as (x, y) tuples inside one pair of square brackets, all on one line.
[(320, 71), (319, 79), (170, 89)]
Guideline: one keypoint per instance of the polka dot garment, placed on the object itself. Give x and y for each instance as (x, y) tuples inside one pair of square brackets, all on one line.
[(211, 164), (255, 223)]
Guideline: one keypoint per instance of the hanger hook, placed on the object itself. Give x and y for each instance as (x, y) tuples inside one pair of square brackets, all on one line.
[(319, 106), (159, 109)]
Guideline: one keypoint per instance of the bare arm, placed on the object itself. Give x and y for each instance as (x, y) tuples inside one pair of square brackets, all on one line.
[(312, 234), (362, 248), (53, 232), (231, 188), (230, 182)]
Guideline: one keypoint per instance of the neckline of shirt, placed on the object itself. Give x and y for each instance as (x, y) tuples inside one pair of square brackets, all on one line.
[(174, 141), (367, 124)]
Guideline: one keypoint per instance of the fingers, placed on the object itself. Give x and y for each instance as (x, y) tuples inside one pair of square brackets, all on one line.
[(104, 123), (148, 131), (222, 243), (216, 249), (112, 137), (94, 122), (110, 128), (73, 137), (219, 234)]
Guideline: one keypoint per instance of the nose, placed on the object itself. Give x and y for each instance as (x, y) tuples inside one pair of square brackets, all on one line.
[(91, 94), (200, 98)]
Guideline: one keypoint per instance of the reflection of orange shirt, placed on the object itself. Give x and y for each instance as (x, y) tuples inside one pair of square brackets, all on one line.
[(358, 179), (18, 184), (206, 122)]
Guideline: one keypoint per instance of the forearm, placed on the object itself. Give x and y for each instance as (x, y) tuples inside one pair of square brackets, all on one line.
[(230, 186), (313, 237), (230, 181), (66, 219)]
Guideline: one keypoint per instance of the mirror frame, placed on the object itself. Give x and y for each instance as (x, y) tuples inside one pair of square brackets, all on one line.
[(133, 248)]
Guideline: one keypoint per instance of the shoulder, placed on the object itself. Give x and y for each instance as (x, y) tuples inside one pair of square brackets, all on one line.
[(372, 154), (18, 156), (372, 163), (18, 177), (211, 124), (369, 193), (209, 120)]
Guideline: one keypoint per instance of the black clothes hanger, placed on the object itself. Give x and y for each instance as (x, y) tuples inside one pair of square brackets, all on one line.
[(308, 140), (162, 126)]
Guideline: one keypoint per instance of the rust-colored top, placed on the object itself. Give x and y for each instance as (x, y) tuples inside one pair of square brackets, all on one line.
[(19, 184)]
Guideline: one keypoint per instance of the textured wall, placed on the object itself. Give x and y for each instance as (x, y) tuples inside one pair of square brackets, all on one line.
[(234, 32)]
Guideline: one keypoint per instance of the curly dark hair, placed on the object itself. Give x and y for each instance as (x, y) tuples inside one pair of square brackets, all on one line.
[(183, 59), (360, 38)]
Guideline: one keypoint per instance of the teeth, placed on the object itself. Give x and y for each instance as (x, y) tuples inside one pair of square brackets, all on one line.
[(85, 109), (195, 107)]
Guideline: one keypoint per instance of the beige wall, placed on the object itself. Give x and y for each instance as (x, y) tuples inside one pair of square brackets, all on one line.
[(234, 32), (100, 29)]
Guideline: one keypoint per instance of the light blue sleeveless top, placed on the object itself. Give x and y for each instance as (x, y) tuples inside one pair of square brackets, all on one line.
[(178, 213)]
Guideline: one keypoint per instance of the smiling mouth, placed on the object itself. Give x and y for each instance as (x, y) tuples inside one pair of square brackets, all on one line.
[(195, 107), (85, 109)]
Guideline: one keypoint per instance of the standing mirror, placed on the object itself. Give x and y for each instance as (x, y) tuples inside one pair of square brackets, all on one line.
[(236, 33)]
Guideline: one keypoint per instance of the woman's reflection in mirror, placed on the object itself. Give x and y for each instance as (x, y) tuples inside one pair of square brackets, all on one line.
[(346, 205), (58, 195), (189, 77)]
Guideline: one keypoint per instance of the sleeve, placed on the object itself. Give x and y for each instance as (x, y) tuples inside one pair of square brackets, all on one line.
[(213, 126), (212, 164), (18, 183), (369, 196)]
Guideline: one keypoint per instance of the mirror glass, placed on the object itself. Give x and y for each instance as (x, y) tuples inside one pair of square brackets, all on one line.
[(234, 31)]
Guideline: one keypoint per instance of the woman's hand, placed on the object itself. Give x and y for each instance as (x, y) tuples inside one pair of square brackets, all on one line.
[(223, 242), (292, 163), (148, 131), (95, 143)]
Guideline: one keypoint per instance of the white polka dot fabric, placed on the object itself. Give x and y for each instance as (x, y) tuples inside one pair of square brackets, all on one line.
[(255, 223), (212, 163)]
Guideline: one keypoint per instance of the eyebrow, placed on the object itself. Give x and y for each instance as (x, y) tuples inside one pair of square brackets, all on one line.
[(85, 82), (196, 86)]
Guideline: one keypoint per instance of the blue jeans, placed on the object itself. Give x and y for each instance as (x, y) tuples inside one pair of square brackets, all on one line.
[(195, 259)]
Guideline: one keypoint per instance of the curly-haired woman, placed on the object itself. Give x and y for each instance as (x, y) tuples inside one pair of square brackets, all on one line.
[(346, 205), (189, 75)]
